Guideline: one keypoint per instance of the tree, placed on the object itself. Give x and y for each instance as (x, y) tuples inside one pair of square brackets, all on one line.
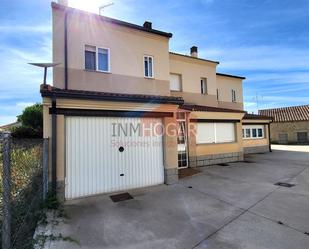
[(32, 116), (31, 123)]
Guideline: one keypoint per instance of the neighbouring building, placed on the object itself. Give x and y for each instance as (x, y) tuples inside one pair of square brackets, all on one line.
[(116, 83), (290, 124)]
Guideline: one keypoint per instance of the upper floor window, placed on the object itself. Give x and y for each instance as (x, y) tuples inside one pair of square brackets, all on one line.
[(97, 58), (148, 66), (233, 95), (203, 86), (175, 82)]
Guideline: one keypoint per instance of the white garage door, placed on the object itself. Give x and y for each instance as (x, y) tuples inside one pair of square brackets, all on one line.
[(109, 154)]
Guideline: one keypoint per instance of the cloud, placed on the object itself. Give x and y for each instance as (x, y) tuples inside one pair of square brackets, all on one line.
[(10, 28)]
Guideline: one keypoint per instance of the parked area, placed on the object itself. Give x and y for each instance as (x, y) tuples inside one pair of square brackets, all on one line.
[(235, 206)]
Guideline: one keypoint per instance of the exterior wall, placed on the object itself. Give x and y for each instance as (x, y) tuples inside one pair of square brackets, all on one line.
[(191, 71), (169, 146), (225, 86), (208, 154), (290, 128), (127, 48), (258, 145)]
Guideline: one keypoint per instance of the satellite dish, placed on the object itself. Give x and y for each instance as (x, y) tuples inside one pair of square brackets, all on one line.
[(45, 66)]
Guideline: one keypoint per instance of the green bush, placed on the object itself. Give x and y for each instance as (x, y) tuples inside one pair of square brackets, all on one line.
[(32, 116), (26, 132)]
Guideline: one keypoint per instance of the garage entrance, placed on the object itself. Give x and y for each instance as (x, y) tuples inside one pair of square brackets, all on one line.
[(106, 154)]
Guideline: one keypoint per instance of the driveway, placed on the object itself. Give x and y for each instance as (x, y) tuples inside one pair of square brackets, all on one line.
[(236, 206)]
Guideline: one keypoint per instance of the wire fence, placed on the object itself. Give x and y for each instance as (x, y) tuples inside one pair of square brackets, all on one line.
[(23, 187)]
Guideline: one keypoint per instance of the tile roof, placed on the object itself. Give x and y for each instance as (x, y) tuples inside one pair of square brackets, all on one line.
[(201, 108), (287, 114), (49, 91), (255, 116)]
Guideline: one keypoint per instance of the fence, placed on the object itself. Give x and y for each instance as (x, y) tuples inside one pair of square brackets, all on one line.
[(23, 188)]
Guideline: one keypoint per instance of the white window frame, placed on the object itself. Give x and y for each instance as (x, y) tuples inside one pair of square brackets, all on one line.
[(180, 82), (251, 128), (215, 135), (97, 58), (204, 87), (152, 66)]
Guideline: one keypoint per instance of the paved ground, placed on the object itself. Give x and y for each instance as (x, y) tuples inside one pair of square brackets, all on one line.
[(231, 207)]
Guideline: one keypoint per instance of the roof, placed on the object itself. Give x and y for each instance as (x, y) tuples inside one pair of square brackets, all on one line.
[(287, 114), (201, 108), (49, 91), (232, 76), (255, 116), (195, 58), (111, 20)]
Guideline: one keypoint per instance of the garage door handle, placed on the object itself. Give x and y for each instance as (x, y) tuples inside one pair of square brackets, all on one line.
[(121, 149), (121, 174)]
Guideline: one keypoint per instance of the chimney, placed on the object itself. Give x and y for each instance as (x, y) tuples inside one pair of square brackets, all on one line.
[(63, 2), (193, 51), (147, 25)]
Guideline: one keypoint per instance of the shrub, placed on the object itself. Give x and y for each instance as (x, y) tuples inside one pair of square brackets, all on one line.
[(26, 132)]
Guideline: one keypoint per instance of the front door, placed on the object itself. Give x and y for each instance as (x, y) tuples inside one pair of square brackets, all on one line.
[(182, 141)]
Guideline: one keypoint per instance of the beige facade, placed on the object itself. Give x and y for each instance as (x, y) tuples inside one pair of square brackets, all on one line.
[(127, 44), (127, 49), (288, 130)]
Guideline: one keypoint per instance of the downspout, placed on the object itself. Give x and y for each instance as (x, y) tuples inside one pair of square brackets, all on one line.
[(269, 140), (66, 50), (54, 146)]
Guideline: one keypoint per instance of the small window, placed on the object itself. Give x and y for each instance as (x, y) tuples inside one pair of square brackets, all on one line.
[(217, 94), (90, 57), (203, 86), (148, 66), (260, 132), (233, 95), (97, 58), (175, 82), (103, 59), (254, 133), (248, 133)]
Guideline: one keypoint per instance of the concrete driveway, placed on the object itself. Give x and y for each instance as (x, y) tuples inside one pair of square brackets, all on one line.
[(236, 206)]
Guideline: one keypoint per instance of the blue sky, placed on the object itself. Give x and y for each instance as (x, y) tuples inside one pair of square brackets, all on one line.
[(264, 40)]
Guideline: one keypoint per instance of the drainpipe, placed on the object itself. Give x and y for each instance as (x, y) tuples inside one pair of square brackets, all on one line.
[(66, 81), (269, 140), (54, 145)]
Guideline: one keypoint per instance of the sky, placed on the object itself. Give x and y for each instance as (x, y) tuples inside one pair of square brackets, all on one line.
[(264, 40)]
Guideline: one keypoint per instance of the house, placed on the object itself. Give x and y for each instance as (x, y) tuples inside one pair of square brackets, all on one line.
[(290, 124), (9, 127), (124, 112)]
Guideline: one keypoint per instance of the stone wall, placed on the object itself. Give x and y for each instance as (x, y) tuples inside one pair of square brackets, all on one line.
[(256, 149), (207, 160), (289, 128)]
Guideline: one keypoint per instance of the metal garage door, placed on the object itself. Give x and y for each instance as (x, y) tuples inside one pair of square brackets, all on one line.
[(108, 154)]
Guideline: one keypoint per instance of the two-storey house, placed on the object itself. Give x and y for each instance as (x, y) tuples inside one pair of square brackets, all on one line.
[(124, 112)]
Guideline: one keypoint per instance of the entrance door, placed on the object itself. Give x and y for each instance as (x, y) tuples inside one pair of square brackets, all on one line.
[(182, 140)]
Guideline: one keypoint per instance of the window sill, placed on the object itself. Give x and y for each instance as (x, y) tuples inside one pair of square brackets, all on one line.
[(253, 138), (97, 71), (234, 142), (149, 78)]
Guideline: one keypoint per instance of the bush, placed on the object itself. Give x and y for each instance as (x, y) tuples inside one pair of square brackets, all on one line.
[(27, 132), (32, 116)]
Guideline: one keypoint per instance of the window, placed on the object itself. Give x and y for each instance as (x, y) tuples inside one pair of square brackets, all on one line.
[(148, 66), (203, 86), (215, 133), (233, 95), (97, 58), (175, 82), (217, 94), (248, 133), (90, 57), (253, 131), (103, 59)]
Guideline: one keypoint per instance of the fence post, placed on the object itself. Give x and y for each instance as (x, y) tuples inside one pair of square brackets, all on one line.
[(45, 166), (6, 225)]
